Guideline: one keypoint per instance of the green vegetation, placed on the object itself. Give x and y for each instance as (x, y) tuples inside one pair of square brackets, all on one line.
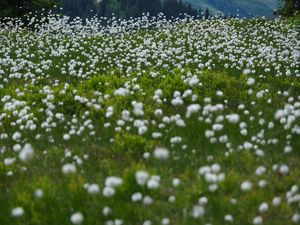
[(125, 8), (18, 8), (150, 122), (289, 8)]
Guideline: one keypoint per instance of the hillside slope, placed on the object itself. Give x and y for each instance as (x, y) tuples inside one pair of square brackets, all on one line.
[(241, 7)]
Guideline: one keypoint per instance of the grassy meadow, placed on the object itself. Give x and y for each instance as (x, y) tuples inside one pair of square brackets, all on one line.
[(148, 121)]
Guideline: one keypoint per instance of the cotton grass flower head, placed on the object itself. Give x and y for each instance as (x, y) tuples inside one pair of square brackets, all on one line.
[(147, 200), (246, 71), (108, 191), (106, 211), (233, 118), (77, 218), (141, 177), (276, 201), (296, 218), (113, 181), (16, 136), (69, 169), (147, 222), (191, 109), (228, 218), (284, 169), (66, 137), (93, 189), (198, 211), (165, 221), (39, 193), (17, 147), (246, 186), (122, 92), (136, 197), (17, 212), (26, 153), (263, 207), (203, 201), (176, 182), (153, 183), (194, 81), (161, 153), (250, 81), (260, 170), (257, 220)]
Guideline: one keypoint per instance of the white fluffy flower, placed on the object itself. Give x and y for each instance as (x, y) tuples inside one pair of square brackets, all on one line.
[(77, 218), (176, 182), (161, 153), (17, 212), (257, 220), (17, 147), (68, 168), (193, 108), (263, 207), (16, 136), (284, 169), (219, 93), (250, 81), (141, 177), (147, 200), (106, 211), (228, 218), (233, 118), (93, 189), (246, 71), (198, 211), (26, 153), (122, 92), (203, 201), (260, 170), (136, 197), (165, 221), (296, 218), (39, 193), (153, 183), (66, 137), (177, 101), (138, 108), (246, 186), (113, 181), (194, 81), (108, 191), (276, 201)]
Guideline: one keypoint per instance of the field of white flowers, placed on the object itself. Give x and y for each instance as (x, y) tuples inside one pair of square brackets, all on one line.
[(148, 121)]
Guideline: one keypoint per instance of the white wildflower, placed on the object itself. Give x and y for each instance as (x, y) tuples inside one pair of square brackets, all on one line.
[(246, 186), (68, 168), (161, 153), (77, 218), (17, 212), (26, 153)]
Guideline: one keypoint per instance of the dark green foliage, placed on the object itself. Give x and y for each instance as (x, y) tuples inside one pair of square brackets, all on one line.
[(289, 8), (125, 8), (206, 13), (18, 8), (73, 8), (174, 8)]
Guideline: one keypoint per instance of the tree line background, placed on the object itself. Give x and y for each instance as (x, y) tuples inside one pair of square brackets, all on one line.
[(120, 8), (104, 8), (290, 8), (125, 8)]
